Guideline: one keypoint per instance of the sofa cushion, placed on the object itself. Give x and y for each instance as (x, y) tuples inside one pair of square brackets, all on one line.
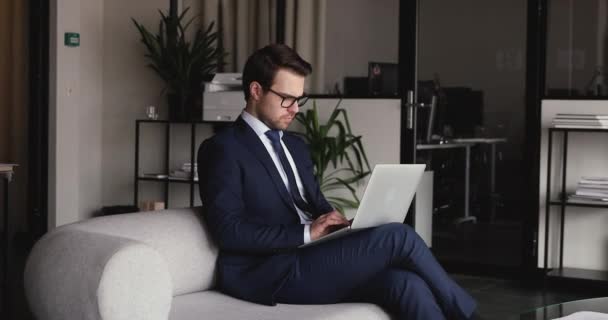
[(179, 235), (212, 305)]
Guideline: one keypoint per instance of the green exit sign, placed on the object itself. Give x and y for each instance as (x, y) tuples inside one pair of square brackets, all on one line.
[(72, 39)]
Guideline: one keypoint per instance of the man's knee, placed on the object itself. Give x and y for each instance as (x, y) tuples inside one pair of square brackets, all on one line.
[(398, 232), (396, 227)]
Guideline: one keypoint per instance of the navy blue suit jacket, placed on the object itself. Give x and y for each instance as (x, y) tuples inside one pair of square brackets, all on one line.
[(250, 213)]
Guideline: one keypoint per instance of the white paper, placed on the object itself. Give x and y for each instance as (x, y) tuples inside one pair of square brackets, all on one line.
[(228, 78), (585, 315)]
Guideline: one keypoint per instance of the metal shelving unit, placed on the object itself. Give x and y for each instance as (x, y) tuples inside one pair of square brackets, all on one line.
[(169, 180), (563, 203)]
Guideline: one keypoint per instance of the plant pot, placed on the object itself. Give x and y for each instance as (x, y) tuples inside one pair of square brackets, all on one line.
[(185, 108)]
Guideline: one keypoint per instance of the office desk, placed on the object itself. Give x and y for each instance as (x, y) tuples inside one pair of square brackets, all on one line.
[(492, 142), (467, 143), (6, 173), (467, 171)]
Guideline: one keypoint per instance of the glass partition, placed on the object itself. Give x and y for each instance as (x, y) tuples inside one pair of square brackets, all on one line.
[(576, 49)]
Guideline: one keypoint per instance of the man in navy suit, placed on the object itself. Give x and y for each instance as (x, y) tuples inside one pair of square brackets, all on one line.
[(261, 201)]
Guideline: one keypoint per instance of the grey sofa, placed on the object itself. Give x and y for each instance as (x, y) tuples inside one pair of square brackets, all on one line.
[(147, 265)]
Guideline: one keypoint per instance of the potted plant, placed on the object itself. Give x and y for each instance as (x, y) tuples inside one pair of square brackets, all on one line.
[(182, 64), (334, 143)]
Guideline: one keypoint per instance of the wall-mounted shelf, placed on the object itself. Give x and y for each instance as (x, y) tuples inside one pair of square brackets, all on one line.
[(170, 179), (588, 204)]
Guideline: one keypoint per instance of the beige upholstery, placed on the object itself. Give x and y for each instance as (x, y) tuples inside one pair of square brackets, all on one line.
[(149, 265)]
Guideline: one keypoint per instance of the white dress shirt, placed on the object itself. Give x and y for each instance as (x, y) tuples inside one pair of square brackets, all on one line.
[(260, 129)]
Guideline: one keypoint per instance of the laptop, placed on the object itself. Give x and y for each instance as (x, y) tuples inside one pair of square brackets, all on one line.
[(387, 198)]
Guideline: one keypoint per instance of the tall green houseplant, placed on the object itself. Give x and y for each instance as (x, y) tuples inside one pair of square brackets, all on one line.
[(338, 155), (182, 64)]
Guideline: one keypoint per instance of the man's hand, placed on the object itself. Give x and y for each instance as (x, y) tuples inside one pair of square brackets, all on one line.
[(327, 223)]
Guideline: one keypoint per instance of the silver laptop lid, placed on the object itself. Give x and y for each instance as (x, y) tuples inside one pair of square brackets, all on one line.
[(388, 194)]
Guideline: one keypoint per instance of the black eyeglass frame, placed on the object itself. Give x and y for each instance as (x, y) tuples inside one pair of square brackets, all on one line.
[(301, 99)]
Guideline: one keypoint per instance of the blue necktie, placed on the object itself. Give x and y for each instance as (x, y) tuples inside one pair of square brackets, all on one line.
[(275, 138)]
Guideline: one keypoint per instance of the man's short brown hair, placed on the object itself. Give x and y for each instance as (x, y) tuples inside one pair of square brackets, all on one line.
[(262, 65)]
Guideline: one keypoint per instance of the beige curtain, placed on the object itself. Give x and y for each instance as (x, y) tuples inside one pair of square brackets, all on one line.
[(13, 99), (13, 79), (305, 32), (247, 25)]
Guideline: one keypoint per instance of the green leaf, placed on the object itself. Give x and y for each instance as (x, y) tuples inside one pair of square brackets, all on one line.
[(180, 62), (342, 202), (340, 149)]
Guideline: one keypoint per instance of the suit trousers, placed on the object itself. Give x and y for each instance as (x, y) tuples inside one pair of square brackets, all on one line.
[(390, 266)]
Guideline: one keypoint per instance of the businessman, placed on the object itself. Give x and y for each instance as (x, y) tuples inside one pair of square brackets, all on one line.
[(261, 201)]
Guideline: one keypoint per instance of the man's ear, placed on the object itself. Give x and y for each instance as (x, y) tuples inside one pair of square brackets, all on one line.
[(255, 90)]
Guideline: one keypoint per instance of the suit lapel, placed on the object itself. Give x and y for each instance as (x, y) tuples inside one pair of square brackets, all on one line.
[(252, 142)]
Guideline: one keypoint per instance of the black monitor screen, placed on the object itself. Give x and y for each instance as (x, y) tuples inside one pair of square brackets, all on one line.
[(463, 110), (458, 108), (383, 79)]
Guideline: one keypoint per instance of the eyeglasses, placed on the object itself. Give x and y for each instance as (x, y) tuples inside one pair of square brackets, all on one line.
[(288, 101)]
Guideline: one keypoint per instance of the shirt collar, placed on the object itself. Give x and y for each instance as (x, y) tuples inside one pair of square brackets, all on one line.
[(258, 126)]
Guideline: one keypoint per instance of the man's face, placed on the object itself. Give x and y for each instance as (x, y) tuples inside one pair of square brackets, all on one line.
[(266, 104)]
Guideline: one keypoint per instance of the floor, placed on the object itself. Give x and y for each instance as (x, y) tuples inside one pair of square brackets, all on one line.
[(496, 243), (500, 299)]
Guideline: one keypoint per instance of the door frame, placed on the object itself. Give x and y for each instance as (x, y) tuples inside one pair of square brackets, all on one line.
[(38, 117)]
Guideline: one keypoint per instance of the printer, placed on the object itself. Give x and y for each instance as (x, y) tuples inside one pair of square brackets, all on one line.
[(223, 98)]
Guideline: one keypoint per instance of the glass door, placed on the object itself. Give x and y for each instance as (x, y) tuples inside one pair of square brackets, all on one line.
[(463, 66)]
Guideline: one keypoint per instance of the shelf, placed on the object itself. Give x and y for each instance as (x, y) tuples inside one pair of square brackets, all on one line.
[(588, 204), (182, 122), (353, 96), (176, 180), (565, 97), (579, 274), (578, 129)]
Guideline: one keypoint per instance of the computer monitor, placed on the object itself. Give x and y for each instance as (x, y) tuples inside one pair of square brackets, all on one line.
[(426, 119), (383, 79), (463, 110), (356, 86), (459, 108)]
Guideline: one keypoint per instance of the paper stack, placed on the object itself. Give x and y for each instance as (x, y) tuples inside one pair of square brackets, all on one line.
[(185, 171), (581, 121), (225, 82), (591, 189), (584, 315)]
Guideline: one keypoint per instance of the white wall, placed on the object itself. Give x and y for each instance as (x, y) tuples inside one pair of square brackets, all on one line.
[(97, 91), (75, 111), (357, 32), (586, 238)]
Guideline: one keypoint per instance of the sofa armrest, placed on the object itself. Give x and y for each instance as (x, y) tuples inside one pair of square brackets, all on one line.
[(76, 274)]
